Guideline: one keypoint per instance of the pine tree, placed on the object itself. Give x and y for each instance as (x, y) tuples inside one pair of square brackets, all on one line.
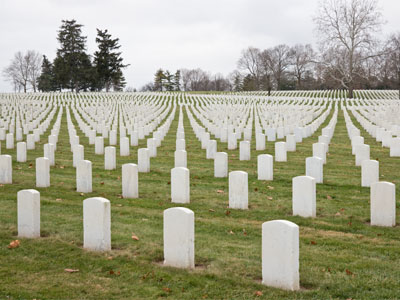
[(46, 78), (71, 64), (177, 80), (159, 80), (108, 62), (169, 81)]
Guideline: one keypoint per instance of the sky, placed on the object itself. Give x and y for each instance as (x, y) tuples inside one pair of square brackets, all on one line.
[(168, 34)]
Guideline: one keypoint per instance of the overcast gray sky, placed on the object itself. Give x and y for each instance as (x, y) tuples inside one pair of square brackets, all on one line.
[(171, 34)]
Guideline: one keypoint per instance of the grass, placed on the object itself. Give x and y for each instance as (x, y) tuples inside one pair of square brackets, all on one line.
[(341, 255)]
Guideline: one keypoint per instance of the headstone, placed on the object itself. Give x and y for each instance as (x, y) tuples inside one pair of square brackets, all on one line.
[(304, 196), (124, 146), (221, 164), (211, 149), (28, 213), (244, 150), (5, 169), (315, 168), (96, 224), (9, 141), (319, 150), (21, 152), (238, 190), (180, 144), (99, 145), (395, 147), (290, 143), (179, 237), (152, 146), (143, 160), (383, 204), (113, 137), (362, 153), (110, 160), (78, 153), (280, 151), (355, 141), (369, 172), (130, 181), (180, 185), (232, 141), (280, 255), (180, 158), (260, 141), (84, 176), (30, 142), (49, 152), (265, 167), (42, 172)]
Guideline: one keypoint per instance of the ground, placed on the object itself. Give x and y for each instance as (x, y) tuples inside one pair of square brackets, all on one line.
[(341, 255)]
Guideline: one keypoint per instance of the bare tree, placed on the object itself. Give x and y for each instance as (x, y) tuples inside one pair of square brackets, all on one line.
[(250, 61), (277, 60), (346, 28), (24, 70), (302, 58), (394, 58)]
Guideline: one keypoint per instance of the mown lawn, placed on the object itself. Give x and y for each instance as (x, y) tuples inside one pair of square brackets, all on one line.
[(341, 255)]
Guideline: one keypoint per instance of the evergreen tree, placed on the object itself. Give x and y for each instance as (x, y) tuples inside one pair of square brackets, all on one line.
[(72, 62), (46, 78), (108, 62), (169, 81), (177, 80), (237, 83), (159, 80)]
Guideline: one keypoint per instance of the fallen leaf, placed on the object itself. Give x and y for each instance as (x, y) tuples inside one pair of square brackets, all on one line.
[(338, 214), (328, 197), (269, 198), (82, 194), (231, 232), (102, 183), (258, 293), (62, 167), (169, 182), (58, 199), (211, 210), (134, 237), (119, 177), (270, 187), (313, 242), (110, 258), (166, 289), (14, 244), (220, 191), (244, 232), (228, 212), (71, 270), (119, 205), (256, 189), (349, 272), (111, 272)]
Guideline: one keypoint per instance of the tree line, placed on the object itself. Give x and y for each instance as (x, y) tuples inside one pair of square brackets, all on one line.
[(72, 68)]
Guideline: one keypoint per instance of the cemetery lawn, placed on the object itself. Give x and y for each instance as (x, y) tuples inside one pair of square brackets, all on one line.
[(341, 255)]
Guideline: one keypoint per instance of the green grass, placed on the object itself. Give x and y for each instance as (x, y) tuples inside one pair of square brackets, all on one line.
[(341, 255)]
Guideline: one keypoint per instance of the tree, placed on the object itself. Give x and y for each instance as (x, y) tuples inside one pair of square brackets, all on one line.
[(177, 80), (169, 81), (108, 61), (250, 61), (302, 57), (158, 80), (393, 58), (277, 60), (71, 65), (346, 29), (46, 78), (24, 70)]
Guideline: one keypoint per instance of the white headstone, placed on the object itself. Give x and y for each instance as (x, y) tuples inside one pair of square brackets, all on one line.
[(152, 146), (180, 144), (211, 149), (49, 152), (110, 160), (362, 153), (99, 145), (260, 141), (319, 150), (383, 204), (238, 190), (290, 143), (369, 172), (84, 176), (21, 152), (130, 181), (78, 153), (42, 172), (180, 185), (265, 167), (280, 255), (179, 237), (143, 160), (97, 224), (280, 151), (315, 168), (304, 196), (124, 146), (28, 213), (180, 158), (9, 141), (5, 169), (221, 164)]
